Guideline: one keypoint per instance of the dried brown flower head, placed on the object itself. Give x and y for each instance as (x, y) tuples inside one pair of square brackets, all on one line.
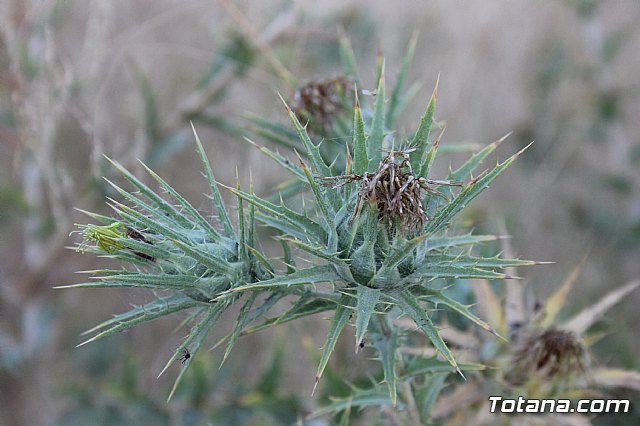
[(319, 101), (397, 192), (549, 353)]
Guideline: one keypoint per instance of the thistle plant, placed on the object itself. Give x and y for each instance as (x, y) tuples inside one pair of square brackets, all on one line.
[(547, 356), (378, 236)]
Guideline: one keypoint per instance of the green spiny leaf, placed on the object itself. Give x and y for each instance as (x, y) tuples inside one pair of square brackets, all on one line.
[(400, 252), (158, 201), (302, 224), (348, 58), (376, 136), (476, 159), (437, 297), (182, 223), (338, 322), (315, 274), (413, 310), (396, 96), (209, 260), (312, 151), (241, 323), (195, 214), (420, 366), (316, 250), (360, 160), (156, 309), (194, 341), (450, 271), (425, 167), (158, 281), (367, 299), (427, 393), (223, 215), (242, 241), (435, 243), (375, 397), (328, 212), (476, 262), (471, 191), (420, 140), (278, 158), (386, 343)]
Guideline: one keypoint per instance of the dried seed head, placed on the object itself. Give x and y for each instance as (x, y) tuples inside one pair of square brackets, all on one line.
[(319, 101), (396, 191), (549, 354)]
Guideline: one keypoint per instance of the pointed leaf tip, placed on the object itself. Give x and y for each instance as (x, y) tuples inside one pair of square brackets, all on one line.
[(517, 154), (434, 95), (502, 139)]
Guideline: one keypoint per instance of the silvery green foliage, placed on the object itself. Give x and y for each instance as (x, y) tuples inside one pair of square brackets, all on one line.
[(375, 270)]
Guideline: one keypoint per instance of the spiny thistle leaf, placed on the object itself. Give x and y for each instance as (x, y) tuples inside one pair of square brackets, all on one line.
[(477, 262), (304, 227), (453, 271), (223, 216), (338, 322), (444, 242), (282, 161), (375, 138), (469, 193), (156, 309), (427, 394), (476, 159), (386, 344), (348, 58), (241, 323), (420, 140), (193, 342), (312, 151), (152, 210), (367, 299), (315, 274), (303, 307), (437, 297), (431, 156), (360, 159), (398, 97), (413, 310), (158, 202), (376, 397), (195, 214), (420, 366), (323, 203)]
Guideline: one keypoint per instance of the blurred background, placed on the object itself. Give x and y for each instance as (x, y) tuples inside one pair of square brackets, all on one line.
[(79, 79)]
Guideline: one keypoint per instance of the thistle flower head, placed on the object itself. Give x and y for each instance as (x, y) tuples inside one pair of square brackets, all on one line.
[(320, 101), (105, 236), (395, 190), (550, 354)]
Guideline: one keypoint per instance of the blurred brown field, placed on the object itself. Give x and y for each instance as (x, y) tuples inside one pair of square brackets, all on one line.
[(79, 79)]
